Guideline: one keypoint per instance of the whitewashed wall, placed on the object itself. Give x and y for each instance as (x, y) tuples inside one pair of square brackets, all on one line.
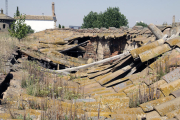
[(39, 25)]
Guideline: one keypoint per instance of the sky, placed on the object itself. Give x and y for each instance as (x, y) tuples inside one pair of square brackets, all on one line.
[(72, 12)]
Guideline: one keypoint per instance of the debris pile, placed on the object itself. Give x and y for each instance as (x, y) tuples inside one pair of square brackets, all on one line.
[(138, 79)]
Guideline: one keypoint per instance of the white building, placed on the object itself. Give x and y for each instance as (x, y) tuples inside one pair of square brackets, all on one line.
[(41, 22)]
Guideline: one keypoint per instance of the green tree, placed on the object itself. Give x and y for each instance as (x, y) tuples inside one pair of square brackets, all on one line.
[(18, 28), (30, 30), (141, 24), (63, 26), (17, 12), (109, 18), (90, 19), (59, 26), (113, 18)]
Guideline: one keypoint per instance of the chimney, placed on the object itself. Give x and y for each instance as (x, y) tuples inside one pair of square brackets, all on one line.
[(53, 14), (173, 21), (53, 10), (1, 11)]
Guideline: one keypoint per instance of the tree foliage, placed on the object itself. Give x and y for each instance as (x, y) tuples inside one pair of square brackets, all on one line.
[(59, 26), (30, 30), (141, 24), (63, 26), (18, 28), (17, 12), (110, 18)]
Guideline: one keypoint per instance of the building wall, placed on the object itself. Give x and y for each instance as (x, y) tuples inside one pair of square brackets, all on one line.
[(2, 25), (40, 25), (5, 25), (99, 49)]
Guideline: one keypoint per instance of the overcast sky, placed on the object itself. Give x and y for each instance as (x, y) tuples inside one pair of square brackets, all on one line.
[(71, 12)]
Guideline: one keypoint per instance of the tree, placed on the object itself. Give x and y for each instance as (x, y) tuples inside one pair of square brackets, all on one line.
[(63, 26), (90, 19), (18, 28), (59, 26), (109, 18), (141, 24), (30, 30), (17, 12)]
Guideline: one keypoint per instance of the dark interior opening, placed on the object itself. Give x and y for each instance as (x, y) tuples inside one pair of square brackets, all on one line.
[(80, 40), (4, 26), (76, 52)]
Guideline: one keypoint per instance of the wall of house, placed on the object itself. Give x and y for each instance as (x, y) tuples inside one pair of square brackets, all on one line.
[(4, 27), (5, 24), (40, 25)]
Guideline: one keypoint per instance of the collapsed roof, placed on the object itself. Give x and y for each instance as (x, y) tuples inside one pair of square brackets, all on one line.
[(133, 74)]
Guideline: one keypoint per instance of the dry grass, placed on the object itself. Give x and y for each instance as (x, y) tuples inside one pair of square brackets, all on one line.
[(49, 91), (52, 89), (41, 84), (7, 47)]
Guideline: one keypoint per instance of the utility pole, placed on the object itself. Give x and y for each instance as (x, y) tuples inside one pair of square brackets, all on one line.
[(7, 7)]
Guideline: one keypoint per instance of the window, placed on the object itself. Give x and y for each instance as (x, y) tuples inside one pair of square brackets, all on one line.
[(4, 26)]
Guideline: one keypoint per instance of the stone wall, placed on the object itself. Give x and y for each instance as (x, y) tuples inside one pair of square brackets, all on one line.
[(100, 48), (90, 51), (4, 26)]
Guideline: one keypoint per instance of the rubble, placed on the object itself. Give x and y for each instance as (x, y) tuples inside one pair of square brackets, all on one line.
[(134, 73)]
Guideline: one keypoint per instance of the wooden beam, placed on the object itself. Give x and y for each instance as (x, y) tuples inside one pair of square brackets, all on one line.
[(91, 64)]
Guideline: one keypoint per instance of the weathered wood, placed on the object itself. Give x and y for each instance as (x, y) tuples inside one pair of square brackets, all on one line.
[(56, 42), (54, 59), (120, 63), (111, 68), (114, 75), (92, 64), (75, 46), (57, 66), (134, 69)]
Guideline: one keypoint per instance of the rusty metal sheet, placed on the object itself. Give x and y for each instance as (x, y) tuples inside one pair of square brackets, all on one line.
[(176, 93), (147, 55), (172, 76), (174, 41)]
